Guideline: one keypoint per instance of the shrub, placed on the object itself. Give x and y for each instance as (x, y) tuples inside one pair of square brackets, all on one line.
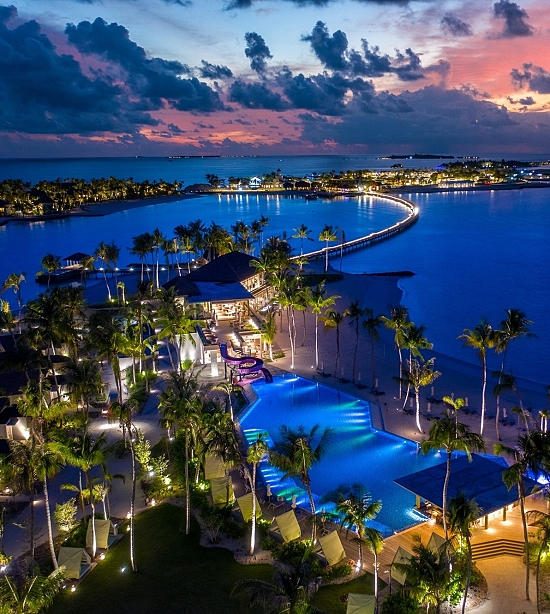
[(335, 573), (398, 603), (271, 545)]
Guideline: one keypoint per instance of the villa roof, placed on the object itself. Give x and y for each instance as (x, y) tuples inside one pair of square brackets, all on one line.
[(229, 268), (480, 479), (183, 286), (76, 257), (213, 292)]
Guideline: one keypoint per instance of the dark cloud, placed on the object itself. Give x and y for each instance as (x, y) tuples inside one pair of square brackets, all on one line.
[(243, 122), (330, 50), (514, 19), (155, 81), (257, 51), (534, 78), (256, 96), (246, 4), (214, 71), (428, 119), (455, 26), (176, 129), (42, 91), (408, 66), (325, 94), (527, 101)]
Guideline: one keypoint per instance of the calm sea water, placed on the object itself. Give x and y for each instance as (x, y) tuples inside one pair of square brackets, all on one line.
[(474, 254), (378, 458)]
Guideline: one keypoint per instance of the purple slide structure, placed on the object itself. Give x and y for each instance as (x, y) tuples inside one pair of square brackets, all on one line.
[(246, 365)]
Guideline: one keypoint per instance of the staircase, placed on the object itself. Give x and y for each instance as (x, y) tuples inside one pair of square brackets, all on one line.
[(497, 547)]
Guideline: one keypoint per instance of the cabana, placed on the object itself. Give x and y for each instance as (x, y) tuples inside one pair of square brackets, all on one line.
[(76, 562), (221, 490), (245, 505), (435, 543), (332, 550), (288, 526), (106, 534), (214, 467), (360, 604), (402, 556)]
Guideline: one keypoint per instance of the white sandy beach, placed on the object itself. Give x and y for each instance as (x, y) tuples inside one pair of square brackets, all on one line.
[(458, 377)]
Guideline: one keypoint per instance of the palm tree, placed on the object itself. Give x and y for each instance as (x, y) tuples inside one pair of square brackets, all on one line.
[(418, 375), (398, 322), (158, 240), (226, 387), (141, 246), (354, 313), (14, 281), (481, 338), (328, 234), (256, 452), (83, 381), (506, 381), (371, 325), (317, 302), (302, 232), (268, 332), (124, 413), (181, 409), (30, 594), (7, 321), (541, 521), (50, 264), (514, 326), (102, 253), (430, 574), (289, 592), (452, 436), (463, 512), (296, 452), (86, 451), (333, 319), (356, 508), (531, 454)]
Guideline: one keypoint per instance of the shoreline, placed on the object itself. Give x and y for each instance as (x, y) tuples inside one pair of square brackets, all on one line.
[(100, 209), (458, 376), (107, 208)]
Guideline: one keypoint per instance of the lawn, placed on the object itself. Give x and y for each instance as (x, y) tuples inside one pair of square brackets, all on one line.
[(175, 574), (328, 597)]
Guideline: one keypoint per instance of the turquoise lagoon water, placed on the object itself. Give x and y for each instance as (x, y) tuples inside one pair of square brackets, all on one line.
[(358, 453)]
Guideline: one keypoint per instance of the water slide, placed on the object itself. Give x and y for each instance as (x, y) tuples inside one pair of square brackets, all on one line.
[(246, 365)]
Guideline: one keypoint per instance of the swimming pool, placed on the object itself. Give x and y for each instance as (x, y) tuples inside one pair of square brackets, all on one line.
[(357, 453)]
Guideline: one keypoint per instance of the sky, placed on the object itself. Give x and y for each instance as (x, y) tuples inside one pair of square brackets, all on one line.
[(274, 77)]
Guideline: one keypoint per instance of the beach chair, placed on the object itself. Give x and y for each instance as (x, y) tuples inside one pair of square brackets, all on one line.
[(435, 543), (287, 527), (330, 549), (403, 557), (75, 561), (221, 490), (360, 604), (245, 507), (106, 534)]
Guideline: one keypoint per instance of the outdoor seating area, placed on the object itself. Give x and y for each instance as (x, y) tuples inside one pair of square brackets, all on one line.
[(330, 549)]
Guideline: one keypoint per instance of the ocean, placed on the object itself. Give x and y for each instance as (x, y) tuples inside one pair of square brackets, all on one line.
[(473, 254)]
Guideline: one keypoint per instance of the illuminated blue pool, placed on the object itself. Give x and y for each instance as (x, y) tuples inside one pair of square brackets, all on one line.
[(358, 452)]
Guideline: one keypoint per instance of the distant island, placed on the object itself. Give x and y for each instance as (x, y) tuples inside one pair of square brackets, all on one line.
[(416, 157)]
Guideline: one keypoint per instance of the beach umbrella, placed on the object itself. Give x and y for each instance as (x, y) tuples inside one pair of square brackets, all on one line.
[(293, 504), (268, 490)]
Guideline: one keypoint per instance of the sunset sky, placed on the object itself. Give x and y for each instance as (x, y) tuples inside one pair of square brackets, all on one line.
[(180, 77)]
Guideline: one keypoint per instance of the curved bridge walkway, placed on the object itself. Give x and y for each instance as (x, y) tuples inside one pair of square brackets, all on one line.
[(373, 237)]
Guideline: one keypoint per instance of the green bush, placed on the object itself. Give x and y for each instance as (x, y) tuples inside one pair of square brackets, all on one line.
[(399, 603), (335, 573), (77, 538), (271, 545), (232, 530), (291, 552)]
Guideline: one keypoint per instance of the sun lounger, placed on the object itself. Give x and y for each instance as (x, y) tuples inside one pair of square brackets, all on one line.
[(106, 534), (360, 604), (331, 549), (288, 527), (76, 562)]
